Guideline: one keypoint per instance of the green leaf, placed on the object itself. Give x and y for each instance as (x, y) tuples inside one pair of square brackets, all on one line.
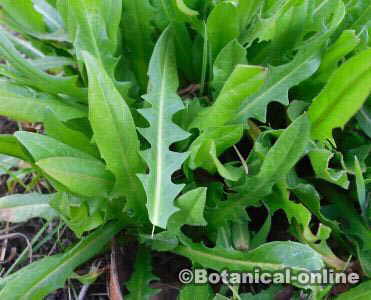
[(286, 152), (309, 196), (191, 292), (362, 291), (52, 62), (80, 214), (280, 159), (41, 147), (346, 43), (191, 205), (185, 9), (328, 16), (247, 10), (231, 55), (261, 236), (163, 241), (138, 284), (115, 134), (24, 46), (9, 145), (280, 199), (222, 27), (162, 95), (51, 17), (138, 34), (26, 18), (320, 159), (22, 207), (182, 39), (343, 95), (28, 107), (36, 18), (74, 138), (25, 72), (361, 188), (289, 30), (280, 80), (269, 257), (206, 149), (244, 81), (296, 108), (81, 176), (37, 280), (93, 26)]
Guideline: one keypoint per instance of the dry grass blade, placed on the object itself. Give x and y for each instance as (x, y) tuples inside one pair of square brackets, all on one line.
[(114, 281), (17, 235)]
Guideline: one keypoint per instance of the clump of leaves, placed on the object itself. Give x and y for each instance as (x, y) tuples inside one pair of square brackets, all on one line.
[(166, 117)]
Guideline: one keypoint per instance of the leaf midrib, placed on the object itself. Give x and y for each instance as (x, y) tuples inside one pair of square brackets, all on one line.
[(229, 261), (159, 146)]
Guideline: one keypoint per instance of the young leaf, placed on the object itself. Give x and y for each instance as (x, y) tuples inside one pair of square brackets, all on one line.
[(80, 214), (191, 205), (81, 176), (138, 34), (206, 149), (22, 207), (231, 55), (320, 159), (309, 196), (37, 280), (162, 95), (343, 95), (115, 134), (279, 199), (222, 27), (183, 43), (93, 26), (288, 31), (138, 284)]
